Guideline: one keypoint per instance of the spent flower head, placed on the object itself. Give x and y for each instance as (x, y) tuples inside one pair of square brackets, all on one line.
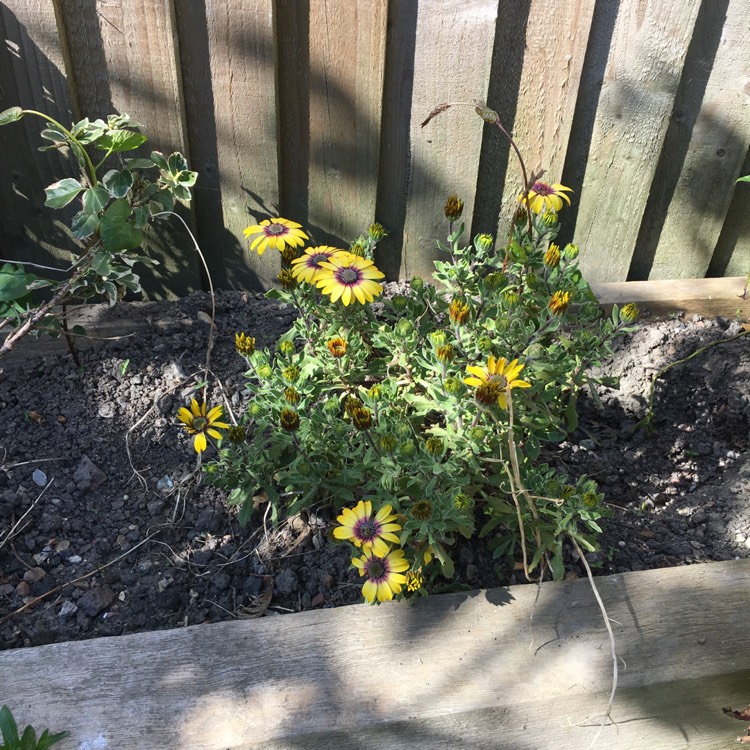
[(494, 379), (244, 344)]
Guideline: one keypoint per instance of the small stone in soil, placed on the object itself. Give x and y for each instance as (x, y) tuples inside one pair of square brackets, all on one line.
[(95, 601)]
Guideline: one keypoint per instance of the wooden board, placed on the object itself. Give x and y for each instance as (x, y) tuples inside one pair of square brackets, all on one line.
[(715, 155), (547, 93), (646, 58), (444, 156), (347, 62), (707, 297), (227, 61), (524, 668), (32, 75)]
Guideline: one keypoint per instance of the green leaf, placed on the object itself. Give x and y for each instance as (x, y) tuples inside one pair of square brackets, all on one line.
[(46, 741), (95, 199), (746, 178), (28, 739), (139, 163), (158, 159), (176, 163), (118, 182), (116, 231), (60, 193), (84, 225), (118, 141), (12, 283), (12, 114), (8, 727)]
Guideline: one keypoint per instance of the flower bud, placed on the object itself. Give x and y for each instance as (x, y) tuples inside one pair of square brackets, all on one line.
[(511, 298), (453, 386), (388, 442), (417, 283), (552, 256), (404, 327), (286, 348), (289, 420), (357, 248), (337, 347), (458, 311), (444, 353), (493, 280), (408, 449), (488, 115), (291, 395), (399, 303), (549, 218), (570, 252), (454, 207), (403, 429), (434, 446), (236, 433), (291, 374), (286, 279), (559, 302), (376, 232), (265, 372), (484, 242), (361, 417), (255, 410), (288, 254), (484, 344), (421, 510), (629, 313), (245, 344)]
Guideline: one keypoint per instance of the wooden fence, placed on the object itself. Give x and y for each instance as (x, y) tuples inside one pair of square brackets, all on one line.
[(311, 109)]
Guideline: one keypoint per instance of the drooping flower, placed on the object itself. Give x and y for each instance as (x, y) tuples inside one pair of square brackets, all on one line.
[(559, 302), (350, 277), (307, 267), (384, 574), (366, 530), (544, 196), (275, 232), (200, 422), (491, 381)]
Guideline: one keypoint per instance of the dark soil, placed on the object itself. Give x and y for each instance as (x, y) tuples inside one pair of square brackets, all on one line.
[(165, 553)]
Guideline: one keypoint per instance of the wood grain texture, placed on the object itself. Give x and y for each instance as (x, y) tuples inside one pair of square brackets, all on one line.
[(347, 61), (32, 75), (444, 156), (715, 155), (521, 668), (227, 58), (123, 58), (647, 54), (547, 92), (707, 297)]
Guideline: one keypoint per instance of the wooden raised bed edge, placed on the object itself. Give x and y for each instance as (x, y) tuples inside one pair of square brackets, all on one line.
[(518, 668), (707, 297)]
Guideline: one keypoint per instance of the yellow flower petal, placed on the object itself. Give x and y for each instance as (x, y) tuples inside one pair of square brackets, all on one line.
[(199, 442)]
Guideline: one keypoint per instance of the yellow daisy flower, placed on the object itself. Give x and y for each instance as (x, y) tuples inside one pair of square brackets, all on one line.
[(543, 196), (276, 232), (307, 267), (200, 423), (384, 574), (360, 527), (349, 277), (491, 381)]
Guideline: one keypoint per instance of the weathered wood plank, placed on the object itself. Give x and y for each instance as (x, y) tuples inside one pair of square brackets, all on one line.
[(524, 667), (32, 75), (547, 92), (715, 155), (123, 59), (347, 62), (451, 64), (227, 61), (648, 51), (708, 297)]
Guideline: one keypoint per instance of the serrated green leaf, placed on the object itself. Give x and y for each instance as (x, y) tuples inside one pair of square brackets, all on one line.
[(60, 193), (118, 182), (118, 141), (12, 114)]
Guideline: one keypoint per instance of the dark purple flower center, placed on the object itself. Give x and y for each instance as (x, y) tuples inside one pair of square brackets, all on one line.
[(318, 258), (200, 424), (367, 529), (348, 276), (542, 188), (275, 230), (497, 381), (376, 569)]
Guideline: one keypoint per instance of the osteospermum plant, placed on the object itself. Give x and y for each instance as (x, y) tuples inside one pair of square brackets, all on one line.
[(420, 418)]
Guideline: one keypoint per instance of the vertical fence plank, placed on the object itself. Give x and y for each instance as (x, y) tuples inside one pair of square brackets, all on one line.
[(715, 155), (547, 91), (347, 61), (227, 57), (32, 75), (452, 63), (123, 59), (646, 58)]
